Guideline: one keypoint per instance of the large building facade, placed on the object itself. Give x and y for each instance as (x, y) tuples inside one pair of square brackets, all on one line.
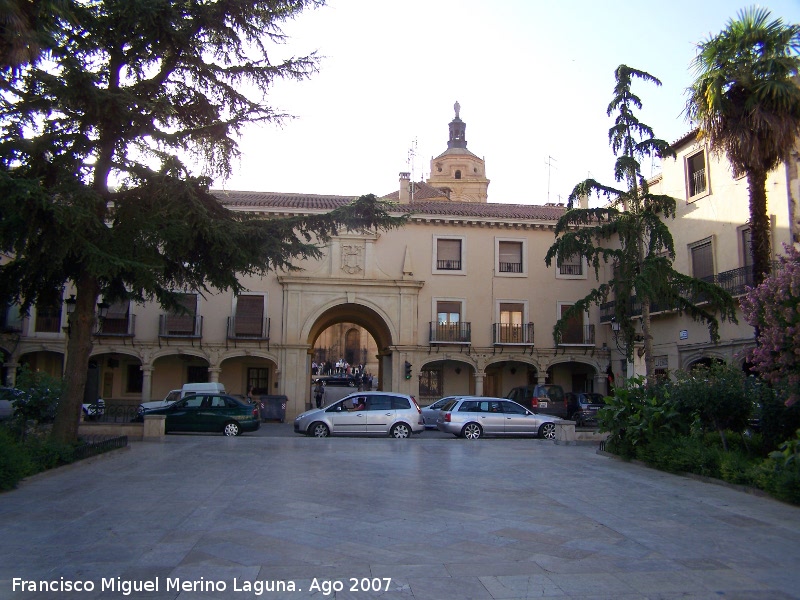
[(461, 293)]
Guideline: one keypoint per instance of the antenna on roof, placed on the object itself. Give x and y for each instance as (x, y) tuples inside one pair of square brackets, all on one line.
[(412, 153), (549, 163)]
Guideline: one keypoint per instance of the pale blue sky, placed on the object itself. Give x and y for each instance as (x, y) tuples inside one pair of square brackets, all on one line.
[(533, 79)]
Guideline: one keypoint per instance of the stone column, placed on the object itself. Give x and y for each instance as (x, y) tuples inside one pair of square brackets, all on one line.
[(601, 383), (213, 374), (147, 382), (479, 384), (11, 373)]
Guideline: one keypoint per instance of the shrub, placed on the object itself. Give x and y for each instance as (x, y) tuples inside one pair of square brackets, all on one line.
[(14, 461), (41, 393)]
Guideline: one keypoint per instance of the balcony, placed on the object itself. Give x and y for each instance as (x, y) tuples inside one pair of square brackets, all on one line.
[(507, 334), (510, 267), (735, 282), (450, 333), (248, 328), (579, 336), (180, 326), (448, 265), (113, 327)]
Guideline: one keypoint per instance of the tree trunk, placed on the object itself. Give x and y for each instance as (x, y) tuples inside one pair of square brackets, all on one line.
[(79, 347), (760, 230), (649, 359)]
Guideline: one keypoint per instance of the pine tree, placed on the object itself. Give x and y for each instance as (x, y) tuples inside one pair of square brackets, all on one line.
[(93, 188), (629, 233)]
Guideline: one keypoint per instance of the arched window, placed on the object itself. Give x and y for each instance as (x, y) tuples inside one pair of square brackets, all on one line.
[(458, 174)]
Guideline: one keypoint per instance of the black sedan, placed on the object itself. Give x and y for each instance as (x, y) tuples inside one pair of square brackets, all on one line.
[(210, 413)]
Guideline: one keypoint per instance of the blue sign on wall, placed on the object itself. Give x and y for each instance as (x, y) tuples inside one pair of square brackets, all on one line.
[(684, 334)]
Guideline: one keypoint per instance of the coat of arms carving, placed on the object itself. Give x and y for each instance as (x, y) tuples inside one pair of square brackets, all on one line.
[(352, 258)]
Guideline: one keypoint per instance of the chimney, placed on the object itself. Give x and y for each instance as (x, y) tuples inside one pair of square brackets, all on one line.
[(583, 201), (405, 188)]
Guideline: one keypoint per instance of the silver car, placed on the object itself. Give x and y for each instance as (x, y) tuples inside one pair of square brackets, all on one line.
[(473, 417), (430, 413), (385, 413)]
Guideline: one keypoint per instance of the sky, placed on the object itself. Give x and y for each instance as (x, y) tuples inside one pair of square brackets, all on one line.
[(533, 79)]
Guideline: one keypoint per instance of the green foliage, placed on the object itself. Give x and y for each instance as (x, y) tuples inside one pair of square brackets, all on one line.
[(14, 461), (41, 395), (746, 104), (629, 233), (664, 427), (681, 454), (720, 394), (637, 414), (94, 190), (22, 458)]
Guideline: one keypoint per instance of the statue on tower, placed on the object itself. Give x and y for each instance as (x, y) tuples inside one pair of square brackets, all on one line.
[(457, 108)]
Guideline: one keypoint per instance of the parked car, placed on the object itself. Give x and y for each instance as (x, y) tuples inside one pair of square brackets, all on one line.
[(585, 407), (211, 413), (338, 380), (95, 410), (430, 413), (186, 389), (7, 397), (473, 417), (385, 413), (547, 399)]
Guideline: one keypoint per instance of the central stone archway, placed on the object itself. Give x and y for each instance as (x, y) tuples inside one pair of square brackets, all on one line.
[(385, 309)]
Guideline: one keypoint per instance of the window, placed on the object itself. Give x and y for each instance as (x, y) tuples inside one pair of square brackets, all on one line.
[(134, 379), (431, 383), (696, 178), (509, 256), (574, 331), (249, 321), (511, 315), (449, 326), (458, 174), (746, 245), (448, 312), (258, 380), (116, 321), (48, 319), (702, 260), (449, 255), (196, 374), (182, 322), (571, 265)]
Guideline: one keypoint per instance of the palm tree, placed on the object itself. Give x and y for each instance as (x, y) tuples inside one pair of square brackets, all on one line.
[(746, 102)]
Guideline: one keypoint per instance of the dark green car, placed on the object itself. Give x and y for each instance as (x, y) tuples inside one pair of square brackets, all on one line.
[(209, 412)]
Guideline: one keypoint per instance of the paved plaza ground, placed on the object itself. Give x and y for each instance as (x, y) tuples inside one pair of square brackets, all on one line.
[(430, 518)]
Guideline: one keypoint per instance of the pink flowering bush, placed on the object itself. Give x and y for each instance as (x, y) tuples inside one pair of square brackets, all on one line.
[(774, 309)]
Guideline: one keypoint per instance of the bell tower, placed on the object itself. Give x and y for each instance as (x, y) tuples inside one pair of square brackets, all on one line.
[(458, 169)]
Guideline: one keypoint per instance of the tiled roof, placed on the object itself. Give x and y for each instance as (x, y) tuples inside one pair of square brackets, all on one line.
[(422, 191), (440, 208)]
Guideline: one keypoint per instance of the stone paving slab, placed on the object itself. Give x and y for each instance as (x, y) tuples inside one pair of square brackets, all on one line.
[(280, 516)]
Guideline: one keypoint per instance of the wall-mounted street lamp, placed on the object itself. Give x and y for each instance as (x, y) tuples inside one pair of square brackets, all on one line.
[(71, 302)]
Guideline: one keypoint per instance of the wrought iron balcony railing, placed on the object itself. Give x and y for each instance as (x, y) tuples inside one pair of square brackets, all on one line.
[(579, 337), (180, 326), (248, 328), (450, 333), (505, 333), (116, 327)]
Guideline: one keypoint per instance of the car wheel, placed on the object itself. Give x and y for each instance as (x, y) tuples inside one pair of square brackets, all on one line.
[(547, 431), (400, 430), (472, 431), (231, 429), (318, 430)]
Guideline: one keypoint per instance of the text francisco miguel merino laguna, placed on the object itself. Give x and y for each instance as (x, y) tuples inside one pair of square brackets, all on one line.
[(171, 584)]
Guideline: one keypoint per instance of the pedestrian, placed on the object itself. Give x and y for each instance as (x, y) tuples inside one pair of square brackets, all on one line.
[(319, 394)]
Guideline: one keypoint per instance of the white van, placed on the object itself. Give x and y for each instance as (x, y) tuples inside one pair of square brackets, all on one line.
[(175, 395)]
